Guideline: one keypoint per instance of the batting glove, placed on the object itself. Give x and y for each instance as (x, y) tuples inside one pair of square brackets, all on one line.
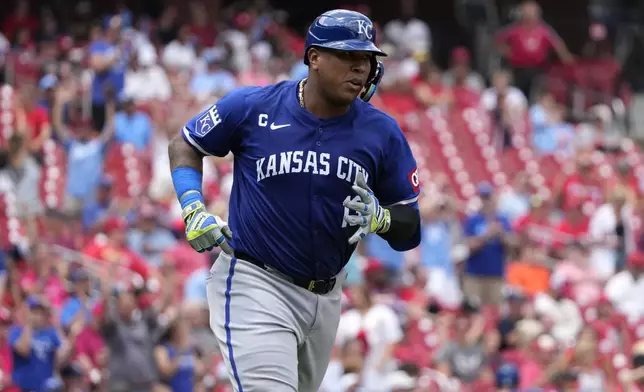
[(372, 217), (205, 231)]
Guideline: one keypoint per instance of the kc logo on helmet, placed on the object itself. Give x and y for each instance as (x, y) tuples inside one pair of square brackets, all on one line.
[(365, 28), (414, 179)]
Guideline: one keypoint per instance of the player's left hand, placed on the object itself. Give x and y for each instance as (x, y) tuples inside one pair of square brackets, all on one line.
[(373, 217)]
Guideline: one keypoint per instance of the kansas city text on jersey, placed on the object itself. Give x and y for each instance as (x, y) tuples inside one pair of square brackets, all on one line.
[(307, 162)]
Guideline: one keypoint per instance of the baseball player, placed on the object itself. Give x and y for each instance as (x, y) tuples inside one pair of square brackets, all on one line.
[(316, 169)]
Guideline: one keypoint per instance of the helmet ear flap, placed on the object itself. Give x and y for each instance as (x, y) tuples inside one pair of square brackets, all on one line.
[(377, 70)]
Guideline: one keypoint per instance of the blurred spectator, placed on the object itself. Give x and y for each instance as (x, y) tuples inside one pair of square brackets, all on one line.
[(464, 356), (580, 186), (72, 378), (6, 355), (610, 233), (215, 80), (149, 239), (626, 286), (195, 284), (514, 200), (632, 380), (85, 152), (407, 32), (132, 125), (460, 69), (21, 19), (110, 248), (438, 240), (130, 334), (108, 60), (81, 302), (37, 347), (90, 350), (583, 282), (42, 277), (180, 55), (527, 44), (201, 27), (378, 328), (573, 226), (502, 95), (487, 235), (145, 80), (21, 175), (593, 368), (507, 325), (38, 125), (531, 272), (344, 368), (102, 206), (168, 26), (551, 134), (179, 367), (257, 74), (428, 88)]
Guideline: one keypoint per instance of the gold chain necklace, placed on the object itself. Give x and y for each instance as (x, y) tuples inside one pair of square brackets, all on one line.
[(300, 93)]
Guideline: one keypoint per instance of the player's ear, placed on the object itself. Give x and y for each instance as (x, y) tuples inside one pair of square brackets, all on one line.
[(314, 58)]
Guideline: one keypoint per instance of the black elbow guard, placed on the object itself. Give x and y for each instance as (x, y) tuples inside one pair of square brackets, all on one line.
[(405, 222)]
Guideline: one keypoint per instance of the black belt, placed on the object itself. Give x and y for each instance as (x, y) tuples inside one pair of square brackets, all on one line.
[(322, 286)]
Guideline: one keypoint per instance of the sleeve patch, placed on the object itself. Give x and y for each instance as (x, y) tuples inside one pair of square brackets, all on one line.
[(414, 179), (207, 122)]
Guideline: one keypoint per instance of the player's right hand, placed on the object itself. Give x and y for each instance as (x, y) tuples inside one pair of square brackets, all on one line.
[(205, 231)]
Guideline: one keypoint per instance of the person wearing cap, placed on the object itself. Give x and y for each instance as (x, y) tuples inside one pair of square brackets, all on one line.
[(132, 125), (37, 347), (487, 234), (461, 69)]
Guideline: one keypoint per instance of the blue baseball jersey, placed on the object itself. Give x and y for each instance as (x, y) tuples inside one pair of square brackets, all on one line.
[(293, 171)]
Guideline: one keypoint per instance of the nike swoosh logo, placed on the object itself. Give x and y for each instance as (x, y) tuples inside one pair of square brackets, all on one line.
[(276, 127)]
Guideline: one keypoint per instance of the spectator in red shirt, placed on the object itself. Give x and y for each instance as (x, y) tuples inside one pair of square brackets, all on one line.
[(527, 45), (580, 186), (112, 250), (574, 225), (38, 125), (20, 19)]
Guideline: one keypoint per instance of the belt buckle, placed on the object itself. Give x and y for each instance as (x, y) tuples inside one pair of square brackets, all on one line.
[(321, 286)]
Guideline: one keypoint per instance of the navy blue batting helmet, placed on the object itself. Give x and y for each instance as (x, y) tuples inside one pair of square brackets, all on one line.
[(507, 376), (347, 31)]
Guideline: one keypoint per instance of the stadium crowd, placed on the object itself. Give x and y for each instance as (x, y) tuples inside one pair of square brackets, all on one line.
[(528, 277)]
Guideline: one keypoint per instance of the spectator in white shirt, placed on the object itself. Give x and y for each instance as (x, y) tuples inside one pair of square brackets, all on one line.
[(610, 232), (503, 93), (180, 54), (626, 289), (146, 80), (378, 327), (408, 32)]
